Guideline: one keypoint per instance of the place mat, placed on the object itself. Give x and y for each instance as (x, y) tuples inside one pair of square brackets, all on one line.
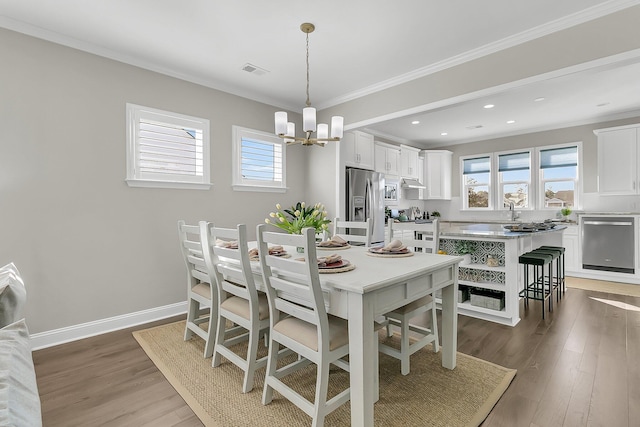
[(344, 269), (332, 248), (390, 255), (430, 396)]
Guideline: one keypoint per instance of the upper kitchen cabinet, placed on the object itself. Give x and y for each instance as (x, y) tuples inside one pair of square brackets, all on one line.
[(358, 150), (409, 162), (618, 161), (437, 174), (387, 159)]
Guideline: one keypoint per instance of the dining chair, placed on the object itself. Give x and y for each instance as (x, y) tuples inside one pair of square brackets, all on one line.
[(424, 237), (299, 321), (243, 311), (345, 228), (202, 299)]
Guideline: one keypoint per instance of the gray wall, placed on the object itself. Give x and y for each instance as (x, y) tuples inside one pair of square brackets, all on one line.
[(90, 247)]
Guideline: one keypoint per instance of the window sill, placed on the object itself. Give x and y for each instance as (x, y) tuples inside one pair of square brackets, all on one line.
[(239, 187), (141, 183)]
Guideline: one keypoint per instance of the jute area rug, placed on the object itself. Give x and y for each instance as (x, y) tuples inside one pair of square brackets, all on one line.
[(603, 286), (429, 396)]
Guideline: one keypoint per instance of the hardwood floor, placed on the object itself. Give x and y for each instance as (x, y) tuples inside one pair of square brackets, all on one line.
[(578, 367)]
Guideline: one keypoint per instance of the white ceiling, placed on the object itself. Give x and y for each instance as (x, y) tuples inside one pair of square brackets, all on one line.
[(359, 47)]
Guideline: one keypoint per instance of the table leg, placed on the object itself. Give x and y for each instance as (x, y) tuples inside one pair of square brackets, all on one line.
[(361, 348), (450, 323)]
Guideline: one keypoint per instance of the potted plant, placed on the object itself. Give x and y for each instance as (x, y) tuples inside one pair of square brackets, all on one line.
[(465, 248), (565, 213), (435, 214)]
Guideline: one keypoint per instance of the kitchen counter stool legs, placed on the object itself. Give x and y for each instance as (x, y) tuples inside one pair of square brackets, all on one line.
[(561, 277), (541, 288)]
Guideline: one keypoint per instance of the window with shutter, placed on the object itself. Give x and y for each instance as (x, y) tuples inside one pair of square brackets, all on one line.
[(259, 161), (166, 149)]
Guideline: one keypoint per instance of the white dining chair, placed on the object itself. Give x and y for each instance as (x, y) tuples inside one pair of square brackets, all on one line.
[(346, 230), (424, 237), (226, 255), (202, 299), (299, 321)]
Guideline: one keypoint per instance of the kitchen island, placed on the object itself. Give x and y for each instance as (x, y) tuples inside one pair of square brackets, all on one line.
[(493, 278)]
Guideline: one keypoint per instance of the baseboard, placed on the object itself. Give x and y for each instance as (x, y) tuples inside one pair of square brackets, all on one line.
[(90, 329)]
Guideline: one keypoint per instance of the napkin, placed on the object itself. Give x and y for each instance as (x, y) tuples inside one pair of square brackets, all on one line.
[(393, 247), (273, 250), (229, 244), (328, 260), (334, 242)]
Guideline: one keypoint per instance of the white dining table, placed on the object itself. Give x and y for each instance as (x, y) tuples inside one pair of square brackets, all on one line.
[(376, 286)]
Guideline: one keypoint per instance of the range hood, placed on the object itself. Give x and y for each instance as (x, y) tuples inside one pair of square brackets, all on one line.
[(411, 183)]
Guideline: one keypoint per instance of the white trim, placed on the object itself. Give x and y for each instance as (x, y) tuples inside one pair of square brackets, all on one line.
[(85, 330), (262, 189), (142, 183)]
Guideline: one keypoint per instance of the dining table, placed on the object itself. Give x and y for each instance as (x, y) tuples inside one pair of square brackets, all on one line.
[(379, 284)]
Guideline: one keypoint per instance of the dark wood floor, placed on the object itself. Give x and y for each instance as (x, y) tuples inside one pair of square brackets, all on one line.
[(578, 367)]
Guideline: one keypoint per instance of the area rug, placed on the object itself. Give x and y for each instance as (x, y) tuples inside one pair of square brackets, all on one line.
[(603, 286), (429, 396)]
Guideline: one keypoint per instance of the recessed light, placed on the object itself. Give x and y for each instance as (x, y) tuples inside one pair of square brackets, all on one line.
[(415, 122), (539, 99), (510, 121), (489, 106), (444, 133)]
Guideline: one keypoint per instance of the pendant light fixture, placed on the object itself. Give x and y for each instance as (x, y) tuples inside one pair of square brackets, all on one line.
[(287, 130)]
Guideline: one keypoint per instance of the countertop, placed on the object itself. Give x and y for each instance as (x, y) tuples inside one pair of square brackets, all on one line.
[(487, 230)]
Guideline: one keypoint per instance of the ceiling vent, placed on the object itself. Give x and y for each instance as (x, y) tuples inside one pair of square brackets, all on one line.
[(250, 68)]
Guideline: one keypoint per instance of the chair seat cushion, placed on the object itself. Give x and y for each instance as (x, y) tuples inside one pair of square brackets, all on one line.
[(307, 333), (240, 306), (420, 302), (203, 289)]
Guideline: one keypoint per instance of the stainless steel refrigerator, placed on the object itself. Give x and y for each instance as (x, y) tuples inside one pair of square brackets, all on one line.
[(365, 199)]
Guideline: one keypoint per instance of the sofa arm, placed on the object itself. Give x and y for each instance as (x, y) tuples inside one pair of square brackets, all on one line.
[(19, 398)]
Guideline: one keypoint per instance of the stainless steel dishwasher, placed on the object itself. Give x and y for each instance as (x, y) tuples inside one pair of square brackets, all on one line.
[(608, 244)]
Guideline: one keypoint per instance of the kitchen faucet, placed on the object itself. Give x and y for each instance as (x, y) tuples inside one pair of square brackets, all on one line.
[(514, 214)]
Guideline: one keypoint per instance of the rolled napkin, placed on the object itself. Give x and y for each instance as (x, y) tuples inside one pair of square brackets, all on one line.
[(229, 244), (393, 247), (334, 242), (328, 260)]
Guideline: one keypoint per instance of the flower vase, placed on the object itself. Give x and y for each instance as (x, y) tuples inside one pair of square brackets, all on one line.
[(300, 249), (466, 259)]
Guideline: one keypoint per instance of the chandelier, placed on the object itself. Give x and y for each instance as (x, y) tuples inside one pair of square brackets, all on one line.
[(287, 130)]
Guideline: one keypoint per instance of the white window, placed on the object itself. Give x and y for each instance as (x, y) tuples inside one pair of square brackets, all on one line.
[(559, 177), (514, 179), (476, 182), (166, 149), (258, 161)]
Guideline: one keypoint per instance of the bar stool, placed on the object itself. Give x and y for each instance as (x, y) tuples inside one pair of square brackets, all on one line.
[(538, 289), (561, 262), (555, 253)]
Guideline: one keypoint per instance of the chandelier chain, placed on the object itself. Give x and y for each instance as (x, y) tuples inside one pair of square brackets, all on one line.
[(308, 100)]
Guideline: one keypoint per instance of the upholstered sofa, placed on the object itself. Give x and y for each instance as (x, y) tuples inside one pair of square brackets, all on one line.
[(19, 399)]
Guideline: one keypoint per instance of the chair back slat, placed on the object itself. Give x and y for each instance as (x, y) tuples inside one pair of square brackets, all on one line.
[(192, 253), (346, 228), (428, 239), (295, 310)]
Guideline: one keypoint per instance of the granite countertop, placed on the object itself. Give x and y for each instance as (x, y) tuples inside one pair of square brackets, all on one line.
[(490, 230)]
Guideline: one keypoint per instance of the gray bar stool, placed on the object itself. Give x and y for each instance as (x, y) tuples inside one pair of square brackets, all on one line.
[(563, 284)]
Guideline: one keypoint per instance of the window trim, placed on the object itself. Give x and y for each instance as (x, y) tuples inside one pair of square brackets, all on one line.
[(578, 179), (134, 113), (463, 186), (238, 184)]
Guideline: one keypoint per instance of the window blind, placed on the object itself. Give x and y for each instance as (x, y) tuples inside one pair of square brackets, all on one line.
[(559, 157), (513, 162), (477, 165), (164, 148), (261, 161)]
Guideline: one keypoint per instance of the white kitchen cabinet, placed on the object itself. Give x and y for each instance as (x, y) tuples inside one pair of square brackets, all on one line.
[(436, 175), (571, 243), (387, 159), (618, 160), (358, 150), (409, 162)]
